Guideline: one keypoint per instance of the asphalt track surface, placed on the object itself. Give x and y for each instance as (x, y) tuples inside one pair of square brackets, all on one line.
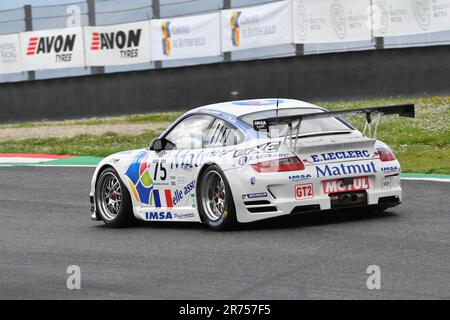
[(45, 227)]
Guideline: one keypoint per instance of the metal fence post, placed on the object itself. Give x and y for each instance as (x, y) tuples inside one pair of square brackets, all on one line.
[(226, 55), (29, 27), (156, 9), (379, 43), (92, 22)]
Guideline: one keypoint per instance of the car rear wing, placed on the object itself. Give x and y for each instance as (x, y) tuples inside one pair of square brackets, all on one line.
[(404, 110)]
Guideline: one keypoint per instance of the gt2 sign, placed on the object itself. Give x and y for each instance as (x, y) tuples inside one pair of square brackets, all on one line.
[(304, 191)]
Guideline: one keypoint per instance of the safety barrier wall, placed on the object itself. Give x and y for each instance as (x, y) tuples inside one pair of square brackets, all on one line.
[(347, 75)]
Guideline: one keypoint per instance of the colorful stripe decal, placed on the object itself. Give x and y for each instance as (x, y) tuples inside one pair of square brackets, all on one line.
[(156, 198), (168, 195), (133, 190)]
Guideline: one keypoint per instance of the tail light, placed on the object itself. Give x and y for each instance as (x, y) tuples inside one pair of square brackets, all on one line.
[(279, 165), (385, 154)]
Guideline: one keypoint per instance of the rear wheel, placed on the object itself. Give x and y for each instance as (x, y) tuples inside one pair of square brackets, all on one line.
[(215, 200), (112, 200)]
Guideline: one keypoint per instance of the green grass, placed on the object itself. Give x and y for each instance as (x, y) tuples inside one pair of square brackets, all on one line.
[(136, 118), (421, 144), (81, 145)]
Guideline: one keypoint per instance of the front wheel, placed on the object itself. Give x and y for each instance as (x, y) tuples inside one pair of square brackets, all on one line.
[(112, 200), (215, 200)]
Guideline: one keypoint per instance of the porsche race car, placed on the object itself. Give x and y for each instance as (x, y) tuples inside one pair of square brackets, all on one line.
[(243, 161)]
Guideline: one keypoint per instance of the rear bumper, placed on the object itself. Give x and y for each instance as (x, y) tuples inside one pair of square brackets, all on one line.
[(280, 198)]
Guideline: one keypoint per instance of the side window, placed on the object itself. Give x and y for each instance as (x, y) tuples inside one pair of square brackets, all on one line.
[(189, 133), (221, 134)]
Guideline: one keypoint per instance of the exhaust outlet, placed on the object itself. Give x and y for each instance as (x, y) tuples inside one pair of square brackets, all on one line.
[(341, 200)]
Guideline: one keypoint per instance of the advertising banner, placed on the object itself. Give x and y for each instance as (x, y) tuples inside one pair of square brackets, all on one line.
[(120, 44), (257, 26), (409, 17), (186, 37), (329, 21), (52, 49), (10, 54)]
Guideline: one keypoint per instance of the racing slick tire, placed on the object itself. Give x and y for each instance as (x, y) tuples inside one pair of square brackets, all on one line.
[(215, 201), (112, 200)]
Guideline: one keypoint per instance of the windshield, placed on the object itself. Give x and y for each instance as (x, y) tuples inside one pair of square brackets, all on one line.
[(308, 126)]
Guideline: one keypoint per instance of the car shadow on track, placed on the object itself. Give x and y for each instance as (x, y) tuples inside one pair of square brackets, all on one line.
[(284, 222)]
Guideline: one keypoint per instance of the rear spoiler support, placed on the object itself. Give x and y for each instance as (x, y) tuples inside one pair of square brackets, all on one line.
[(404, 110)]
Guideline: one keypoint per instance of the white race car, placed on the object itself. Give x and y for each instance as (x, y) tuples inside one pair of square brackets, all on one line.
[(250, 160)]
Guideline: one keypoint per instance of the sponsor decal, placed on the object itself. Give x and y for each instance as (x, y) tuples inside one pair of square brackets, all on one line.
[(300, 177), (61, 45), (8, 53), (338, 19), (193, 199), (304, 191), (338, 155), (422, 13), (344, 169), (235, 28), (155, 215), (301, 21), (166, 41), (340, 185), (242, 160), (390, 169), (127, 42), (380, 16), (181, 216), (260, 125), (189, 159), (139, 179), (386, 183), (275, 155), (268, 147), (254, 195), (177, 196), (42, 45), (189, 187)]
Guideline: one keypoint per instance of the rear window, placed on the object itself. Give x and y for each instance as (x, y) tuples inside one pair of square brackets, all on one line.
[(308, 126)]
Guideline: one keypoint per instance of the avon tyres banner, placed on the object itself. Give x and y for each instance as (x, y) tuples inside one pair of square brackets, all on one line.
[(10, 54), (407, 17), (329, 21), (52, 49), (258, 26), (120, 44), (186, 37)]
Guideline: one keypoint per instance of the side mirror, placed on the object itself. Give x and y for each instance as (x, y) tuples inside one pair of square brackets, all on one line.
[(161, 144), (156, 145)]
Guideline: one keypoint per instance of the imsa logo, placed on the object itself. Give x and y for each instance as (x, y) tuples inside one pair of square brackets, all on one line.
[(154, 215)]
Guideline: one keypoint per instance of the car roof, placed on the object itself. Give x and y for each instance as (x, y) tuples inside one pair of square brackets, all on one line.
[(242, 107)]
